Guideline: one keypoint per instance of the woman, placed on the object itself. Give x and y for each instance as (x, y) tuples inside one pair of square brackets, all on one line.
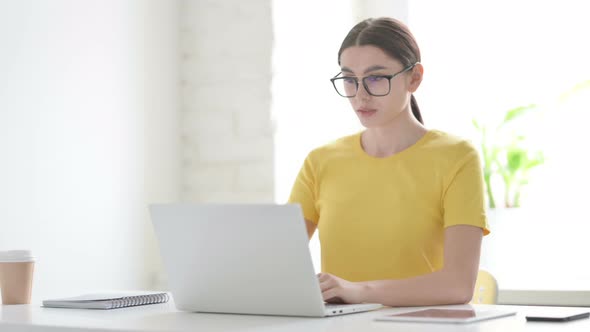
[(399, 207)]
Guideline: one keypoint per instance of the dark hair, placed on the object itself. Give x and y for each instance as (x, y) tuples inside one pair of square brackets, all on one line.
[(391, 36)]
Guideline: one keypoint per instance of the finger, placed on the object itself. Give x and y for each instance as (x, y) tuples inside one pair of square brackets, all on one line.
[(323, 276), (332, 296), (327, 284)]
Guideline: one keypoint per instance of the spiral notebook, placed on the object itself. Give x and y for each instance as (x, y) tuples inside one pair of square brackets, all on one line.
[(108, 300)]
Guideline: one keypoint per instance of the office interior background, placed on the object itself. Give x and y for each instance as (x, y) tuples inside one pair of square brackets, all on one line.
[(108, 106)]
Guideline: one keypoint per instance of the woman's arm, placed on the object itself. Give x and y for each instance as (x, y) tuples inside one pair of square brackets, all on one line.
[(453, 284), (311, 227)]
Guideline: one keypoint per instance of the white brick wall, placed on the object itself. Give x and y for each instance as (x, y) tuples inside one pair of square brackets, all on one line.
[(225, 90)]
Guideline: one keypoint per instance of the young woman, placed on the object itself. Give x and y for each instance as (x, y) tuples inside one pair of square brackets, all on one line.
[(399, 207)]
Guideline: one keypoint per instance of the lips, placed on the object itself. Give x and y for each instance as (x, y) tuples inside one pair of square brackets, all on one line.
[(366, 111)]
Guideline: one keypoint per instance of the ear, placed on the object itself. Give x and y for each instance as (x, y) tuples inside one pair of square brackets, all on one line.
[(415, 77)]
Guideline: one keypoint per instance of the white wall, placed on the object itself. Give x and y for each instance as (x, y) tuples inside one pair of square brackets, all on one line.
[(363, 9), (88, 125), (306, 109), (227, 132)]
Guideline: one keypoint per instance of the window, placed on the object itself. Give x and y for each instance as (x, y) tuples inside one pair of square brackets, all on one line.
[(481, 60), (307, 111)]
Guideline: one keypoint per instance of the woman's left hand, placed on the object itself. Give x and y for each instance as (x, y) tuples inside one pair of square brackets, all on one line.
[(338, 290)]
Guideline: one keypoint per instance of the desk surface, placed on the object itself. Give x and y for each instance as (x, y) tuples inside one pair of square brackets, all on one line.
[(164, 317)]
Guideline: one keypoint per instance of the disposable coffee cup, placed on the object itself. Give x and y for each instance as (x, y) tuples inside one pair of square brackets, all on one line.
[(16, 276)]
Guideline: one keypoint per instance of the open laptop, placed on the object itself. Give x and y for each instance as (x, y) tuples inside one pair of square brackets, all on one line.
[(242, 259)]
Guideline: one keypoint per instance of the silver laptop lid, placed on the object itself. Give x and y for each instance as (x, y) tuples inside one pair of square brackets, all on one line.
[(247, 259)]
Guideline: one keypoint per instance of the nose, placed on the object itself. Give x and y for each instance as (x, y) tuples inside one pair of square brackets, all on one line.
[(362, 92)]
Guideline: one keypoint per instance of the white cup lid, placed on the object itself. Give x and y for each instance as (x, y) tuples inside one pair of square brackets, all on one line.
[(16, 256)]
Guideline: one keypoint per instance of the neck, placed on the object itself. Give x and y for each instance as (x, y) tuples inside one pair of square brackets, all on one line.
[(394, 137)]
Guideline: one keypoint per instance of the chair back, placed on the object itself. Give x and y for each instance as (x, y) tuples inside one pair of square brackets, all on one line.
[(486, 289)]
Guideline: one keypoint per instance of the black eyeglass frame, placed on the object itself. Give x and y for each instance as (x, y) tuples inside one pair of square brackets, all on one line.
[(388, 77)]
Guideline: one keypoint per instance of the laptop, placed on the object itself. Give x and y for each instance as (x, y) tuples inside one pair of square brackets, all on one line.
[(241, 259)]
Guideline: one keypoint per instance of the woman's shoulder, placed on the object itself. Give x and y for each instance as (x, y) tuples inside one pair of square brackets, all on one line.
[(449, 150), (444, 142)]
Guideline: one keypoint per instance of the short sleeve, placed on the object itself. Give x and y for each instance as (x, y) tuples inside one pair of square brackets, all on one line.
[(304, 191), (463, 201)]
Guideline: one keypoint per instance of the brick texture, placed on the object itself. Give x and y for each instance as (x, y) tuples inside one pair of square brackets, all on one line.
[(226, 124)]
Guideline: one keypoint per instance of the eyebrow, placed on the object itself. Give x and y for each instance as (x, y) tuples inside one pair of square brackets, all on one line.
[(368, 70)]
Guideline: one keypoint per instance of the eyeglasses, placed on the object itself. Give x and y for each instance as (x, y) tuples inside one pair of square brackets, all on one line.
[(375, 85)]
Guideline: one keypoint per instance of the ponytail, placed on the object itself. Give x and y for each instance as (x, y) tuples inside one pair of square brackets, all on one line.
[(416, 109)]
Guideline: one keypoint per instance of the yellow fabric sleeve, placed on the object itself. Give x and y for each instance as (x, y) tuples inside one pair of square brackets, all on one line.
[(463, 201), (304, 191)]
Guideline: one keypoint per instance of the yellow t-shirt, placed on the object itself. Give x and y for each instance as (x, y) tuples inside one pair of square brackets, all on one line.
[(384, 218)]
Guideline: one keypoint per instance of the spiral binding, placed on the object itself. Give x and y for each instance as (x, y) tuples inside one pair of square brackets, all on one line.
[(131, 301)]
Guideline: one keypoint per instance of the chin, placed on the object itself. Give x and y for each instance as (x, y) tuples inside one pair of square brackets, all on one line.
[(369, 124)]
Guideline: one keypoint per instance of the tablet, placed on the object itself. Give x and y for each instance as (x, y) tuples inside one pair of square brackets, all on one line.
[(455, 316), (555, 315)]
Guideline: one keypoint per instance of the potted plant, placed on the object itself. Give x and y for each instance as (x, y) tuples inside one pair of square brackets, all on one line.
[(507, 158), (506, 155)]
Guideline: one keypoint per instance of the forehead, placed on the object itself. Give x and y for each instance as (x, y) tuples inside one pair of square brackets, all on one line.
[(358, 58)]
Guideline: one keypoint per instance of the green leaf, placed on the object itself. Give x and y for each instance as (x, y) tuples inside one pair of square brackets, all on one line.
[(517, 112), (516, 159), (534, 162)]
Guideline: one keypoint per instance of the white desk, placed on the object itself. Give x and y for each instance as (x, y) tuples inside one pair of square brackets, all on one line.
[(165, 317)]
